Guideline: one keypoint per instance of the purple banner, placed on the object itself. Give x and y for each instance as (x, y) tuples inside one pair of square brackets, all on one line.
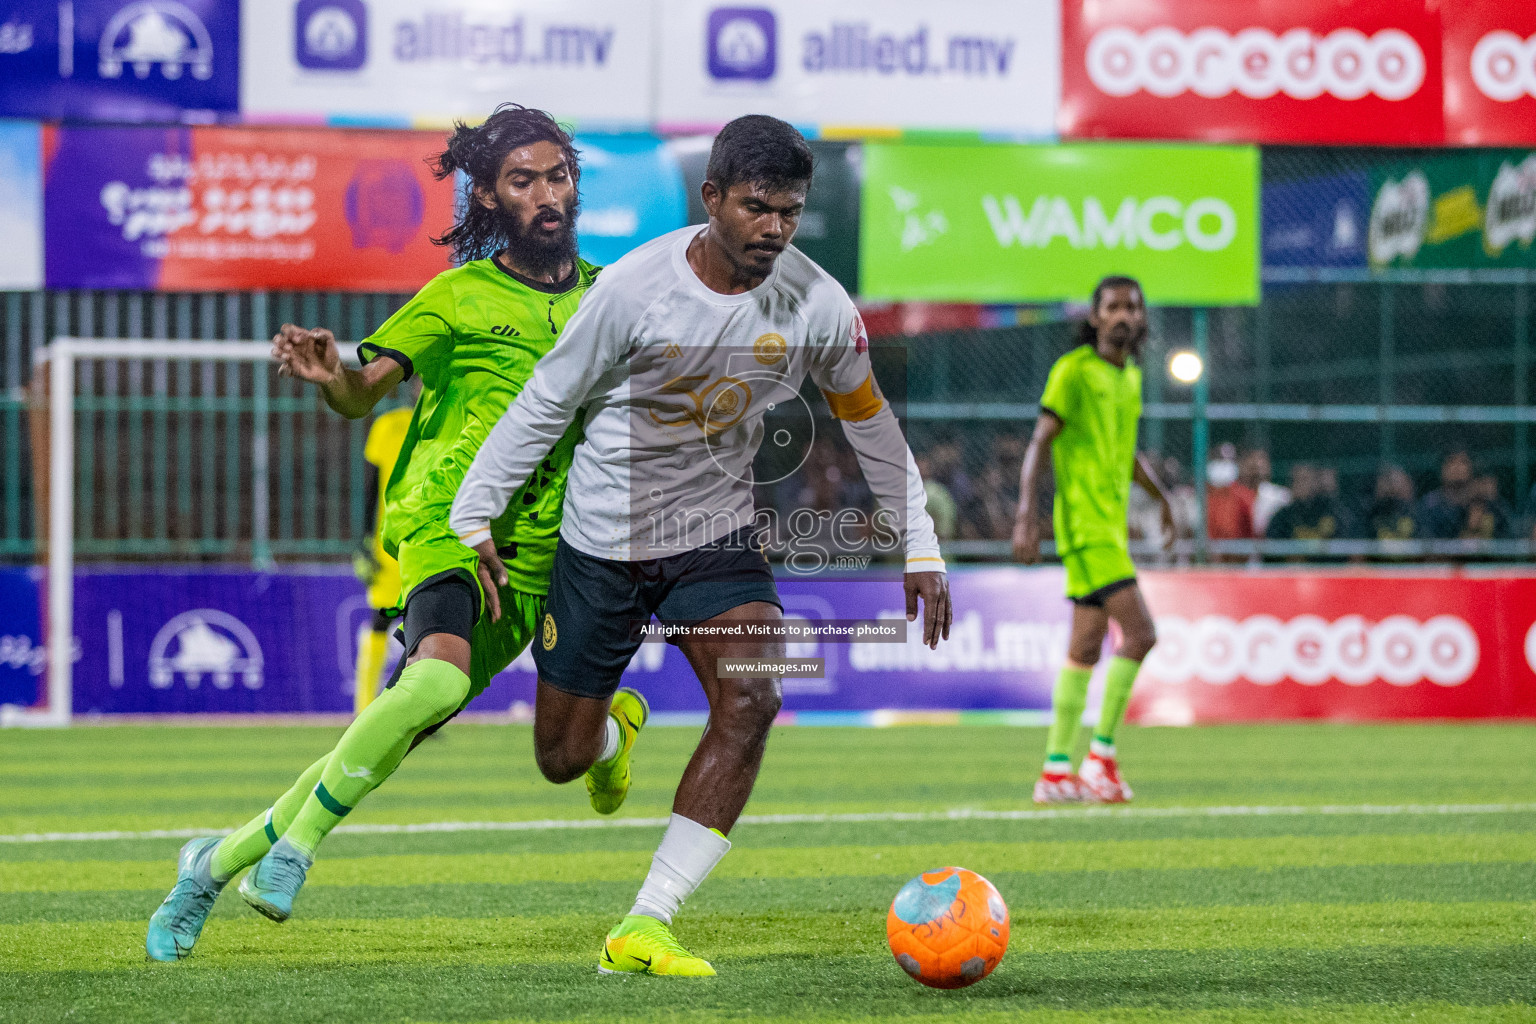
[(244, 642), (116, 60)]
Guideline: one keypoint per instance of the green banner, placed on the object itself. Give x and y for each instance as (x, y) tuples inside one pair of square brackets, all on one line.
[(1460, 210), (1044, 223)]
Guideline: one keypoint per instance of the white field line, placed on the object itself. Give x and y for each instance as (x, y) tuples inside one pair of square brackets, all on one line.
[(957, 814)]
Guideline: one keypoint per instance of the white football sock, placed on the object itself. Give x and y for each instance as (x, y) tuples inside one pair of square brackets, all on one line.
[(610, 740), (686, 856), (1102, 749)]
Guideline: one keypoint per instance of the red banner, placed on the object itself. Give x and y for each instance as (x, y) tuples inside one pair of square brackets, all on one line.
[(1292, 71), (1236, 647), (1490, 73)]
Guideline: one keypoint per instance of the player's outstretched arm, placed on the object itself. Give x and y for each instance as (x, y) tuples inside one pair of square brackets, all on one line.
[(1026, 524), (311, 354)]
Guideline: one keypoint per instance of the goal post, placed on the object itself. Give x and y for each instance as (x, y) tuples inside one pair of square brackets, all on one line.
[(61, 359)]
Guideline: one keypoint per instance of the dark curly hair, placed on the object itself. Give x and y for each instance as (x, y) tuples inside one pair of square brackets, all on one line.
[(479, 152), (1087, 335), (759, 150)]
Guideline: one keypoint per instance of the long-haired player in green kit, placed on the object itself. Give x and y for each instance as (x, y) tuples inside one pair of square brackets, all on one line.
[(472, 335), (1087, 427)]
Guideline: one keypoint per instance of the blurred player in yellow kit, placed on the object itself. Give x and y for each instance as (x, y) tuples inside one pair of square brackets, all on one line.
[(378, 571)]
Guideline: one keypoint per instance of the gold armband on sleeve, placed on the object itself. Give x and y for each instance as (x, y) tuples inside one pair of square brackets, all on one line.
[(859, 404)]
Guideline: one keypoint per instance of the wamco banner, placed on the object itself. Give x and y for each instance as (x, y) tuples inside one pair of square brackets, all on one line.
[(1045, 223), (984, 64), (402, 62)]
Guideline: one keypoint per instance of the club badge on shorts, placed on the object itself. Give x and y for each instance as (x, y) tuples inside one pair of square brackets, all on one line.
[(550, 634)]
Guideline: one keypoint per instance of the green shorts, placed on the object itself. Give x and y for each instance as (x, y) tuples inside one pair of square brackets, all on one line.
[(428, 555), (1092, 569)]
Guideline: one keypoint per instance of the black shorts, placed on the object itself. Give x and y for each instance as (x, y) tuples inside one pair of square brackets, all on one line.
[(1096, 598), (598, 606)]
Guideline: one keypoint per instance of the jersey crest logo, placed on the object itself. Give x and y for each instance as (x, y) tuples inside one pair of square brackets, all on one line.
[(717, 405), (671, 351), (504, 330), (858, 335), (550, 634), (768, 349)]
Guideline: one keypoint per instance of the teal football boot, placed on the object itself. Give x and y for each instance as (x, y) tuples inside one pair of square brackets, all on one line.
[(270, 887), (174, 929)]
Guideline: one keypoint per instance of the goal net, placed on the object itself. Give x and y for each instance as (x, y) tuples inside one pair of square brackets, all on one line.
[(161, 453)]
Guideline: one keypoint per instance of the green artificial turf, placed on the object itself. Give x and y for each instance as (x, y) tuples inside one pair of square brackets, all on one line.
[(1383, 873)]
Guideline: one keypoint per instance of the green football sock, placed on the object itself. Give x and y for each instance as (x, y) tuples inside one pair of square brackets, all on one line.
[(1117, 694), (251, 841), (373, 746), (1067, 702)]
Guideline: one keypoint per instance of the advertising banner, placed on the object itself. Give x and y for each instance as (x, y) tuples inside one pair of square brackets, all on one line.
[(1045, 223), (631, 191), (1268, 71), (1231, 646), (829, 227), (1317, 221), (1238, 647), (203, 209), (401, 62), (987, 65), (1449, 209), (1490, 73), (21, 206), (119, 60)]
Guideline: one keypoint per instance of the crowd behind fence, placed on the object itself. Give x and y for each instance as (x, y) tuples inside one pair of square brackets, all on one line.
[(1381, 419)]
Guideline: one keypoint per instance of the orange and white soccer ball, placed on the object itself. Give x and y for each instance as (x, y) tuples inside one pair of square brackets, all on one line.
[(948, 928)]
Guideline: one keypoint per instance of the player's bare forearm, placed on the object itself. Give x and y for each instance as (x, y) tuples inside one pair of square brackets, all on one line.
[(354, 393), (1146, 478), (310, 353), (1026, 524)]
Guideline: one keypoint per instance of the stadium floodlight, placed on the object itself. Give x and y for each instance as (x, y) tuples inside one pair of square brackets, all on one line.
[(1185, 366), (61, 358)]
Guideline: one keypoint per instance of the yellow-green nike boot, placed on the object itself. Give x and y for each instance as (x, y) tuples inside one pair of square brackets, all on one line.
[(643, 945), (608, 781)]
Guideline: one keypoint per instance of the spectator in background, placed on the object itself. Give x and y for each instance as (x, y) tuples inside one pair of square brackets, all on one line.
[(1253, 472), (1488, 518), (1315, 511), (1228, 501), (941, 504), (1146, 516), (1464, 506), (1390, 515)]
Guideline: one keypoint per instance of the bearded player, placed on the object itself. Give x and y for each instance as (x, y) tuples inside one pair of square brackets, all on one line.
[(675, 356), (1087, 426), (473, 335)]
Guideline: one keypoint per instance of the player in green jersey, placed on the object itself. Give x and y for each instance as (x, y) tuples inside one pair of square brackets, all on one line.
[(1087, 426), (472, 335)]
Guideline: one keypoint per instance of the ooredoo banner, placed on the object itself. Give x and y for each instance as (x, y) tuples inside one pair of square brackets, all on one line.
[(120, 60), (402, 62), (1045, 223), (198, 209), (1490, 72), (1324, 71), (1248, 647), (988, 65)]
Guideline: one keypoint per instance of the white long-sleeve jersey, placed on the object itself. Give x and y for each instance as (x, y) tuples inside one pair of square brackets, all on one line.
[(675, 380)]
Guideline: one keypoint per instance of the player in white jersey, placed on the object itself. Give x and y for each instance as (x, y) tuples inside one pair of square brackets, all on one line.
[(672, 360)]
